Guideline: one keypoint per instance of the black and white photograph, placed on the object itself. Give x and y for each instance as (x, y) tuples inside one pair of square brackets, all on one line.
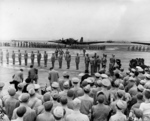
[(74, 60)]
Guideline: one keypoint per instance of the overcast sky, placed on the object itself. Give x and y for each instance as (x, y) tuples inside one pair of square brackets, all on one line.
[(93, 19)]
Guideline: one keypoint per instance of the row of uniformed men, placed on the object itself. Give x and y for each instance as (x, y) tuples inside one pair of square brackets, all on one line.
[(39, 56)]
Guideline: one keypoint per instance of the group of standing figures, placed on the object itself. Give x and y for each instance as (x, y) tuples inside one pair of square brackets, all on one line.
[(92, 63)]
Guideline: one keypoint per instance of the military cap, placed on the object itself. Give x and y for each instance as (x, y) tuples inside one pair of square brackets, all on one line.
[(24, 97), (121, 104), (58, 112), (97, 74), (104, 76), (36, 86), (66, 84), (65, 73), (32, 91), (75, 79), (55, 85), (81, 74), (106, 82)]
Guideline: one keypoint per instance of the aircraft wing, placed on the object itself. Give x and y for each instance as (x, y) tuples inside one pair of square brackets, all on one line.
[(91, 42), (56, 41), (142, 43)]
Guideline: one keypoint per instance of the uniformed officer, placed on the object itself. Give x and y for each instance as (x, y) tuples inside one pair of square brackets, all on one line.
[(19, 57), (1, 56), (98, 60), (26, 57), (53, 58), (95, 62), (104, 61), (84, 51), (60, 59), (68, 60), (112, 64), (7, 56), (45, 58), (77, 61), (56, 53), (92, 60), (13, 57), (32, 58), (87, 61), (67, 52), (39, 58)]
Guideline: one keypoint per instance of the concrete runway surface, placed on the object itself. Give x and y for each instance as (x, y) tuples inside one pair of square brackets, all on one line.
[(7, 71)]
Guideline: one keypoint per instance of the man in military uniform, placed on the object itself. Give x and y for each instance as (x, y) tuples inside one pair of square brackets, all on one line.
[(13, 57), (92, 60), (39, 58), (98, 60), (95, 62), (1, 56), (56, 53), (7, 56), (60, 59), (68, 60), (19, 57), (77, 61), (45, 58), (26, 57), (104, 61), (32, 58), (84, 51), (87, 61), (53, 60), (112, 64)]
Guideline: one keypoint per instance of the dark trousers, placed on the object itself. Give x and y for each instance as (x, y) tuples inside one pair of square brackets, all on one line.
[(53, 64), (68, 64), (13, 61), (32, 61), (15, 84), (45, 62), (60, 64), (7, 60), (19, 61), (26, 62), (77, 66), (39, 62)]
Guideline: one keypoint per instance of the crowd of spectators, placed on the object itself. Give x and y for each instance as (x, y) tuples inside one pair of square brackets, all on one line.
[(124, 96)]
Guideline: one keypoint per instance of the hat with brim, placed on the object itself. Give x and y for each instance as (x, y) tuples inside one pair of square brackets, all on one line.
[(121, 104), (97, 75), (55, 85), (65, 73), (24, 97), (36, 86), (104, 76), (12, 91), (58, 112), (81, 74), (75, 80), (106, 82)]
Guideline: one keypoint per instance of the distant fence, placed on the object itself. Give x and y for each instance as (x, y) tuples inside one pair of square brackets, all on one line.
[(49, 45)]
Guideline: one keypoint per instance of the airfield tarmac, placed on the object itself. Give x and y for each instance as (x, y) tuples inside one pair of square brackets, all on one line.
[(7, 71)]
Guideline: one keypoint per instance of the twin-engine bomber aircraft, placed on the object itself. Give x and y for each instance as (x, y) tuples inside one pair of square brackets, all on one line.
[(71, 41)]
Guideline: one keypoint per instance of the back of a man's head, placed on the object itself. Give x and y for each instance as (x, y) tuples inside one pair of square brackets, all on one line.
[(77, 103), (48, 106), (139, 96), (46, 97), (86, 71), (21, 111), (64, 100), (70, 93), (101, 99)]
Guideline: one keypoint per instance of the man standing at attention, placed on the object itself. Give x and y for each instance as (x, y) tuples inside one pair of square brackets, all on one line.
[(13, 57), (45, 58), (19, 57), (53, 58), (7, 56), (60, 59), (53, 75), (32, 58), (39, 58), (68, 60), (87, 61), (77, 60), (26, 57)]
